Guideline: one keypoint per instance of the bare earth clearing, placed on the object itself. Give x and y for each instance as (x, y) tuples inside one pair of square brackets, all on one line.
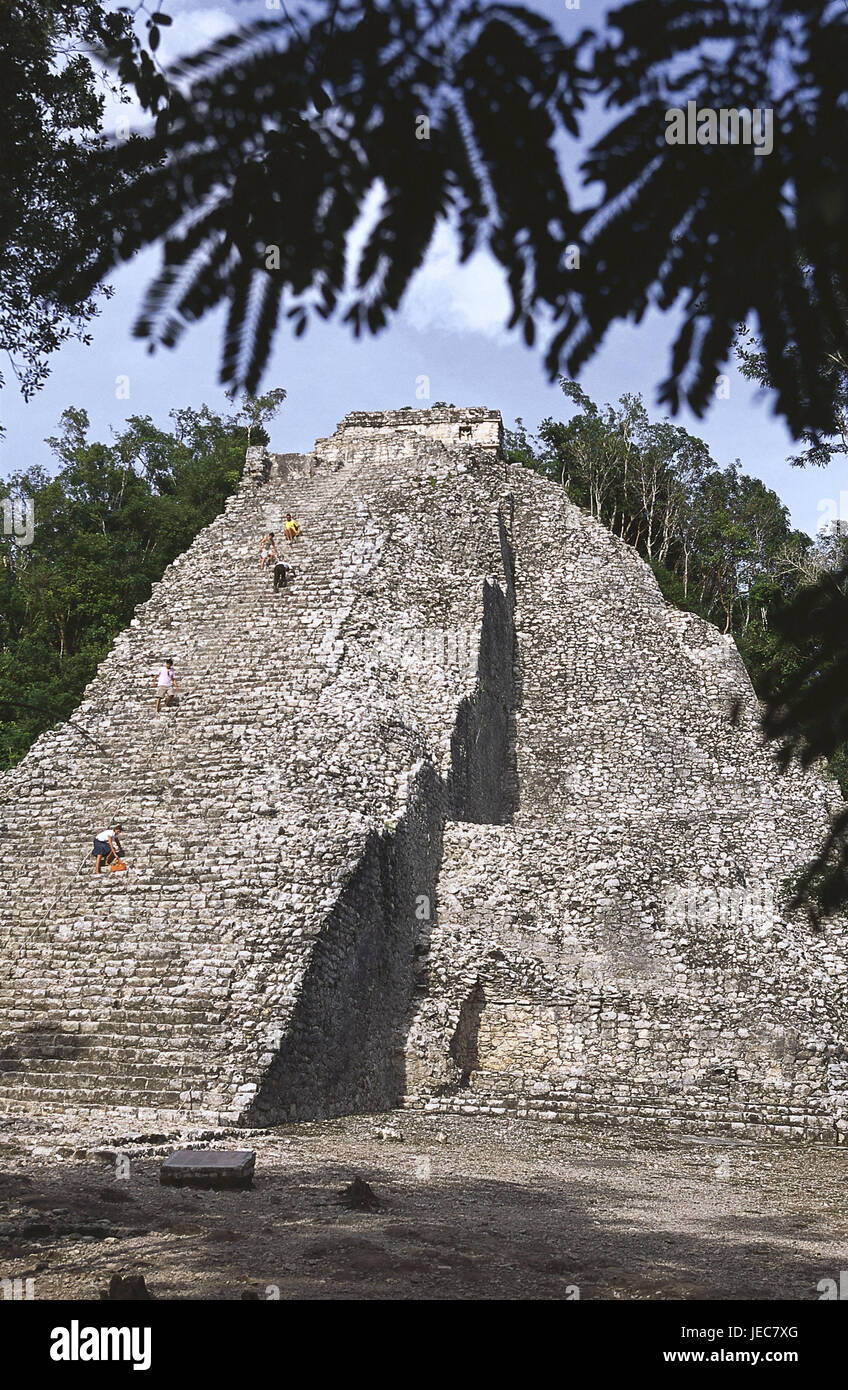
[(469, 1209)]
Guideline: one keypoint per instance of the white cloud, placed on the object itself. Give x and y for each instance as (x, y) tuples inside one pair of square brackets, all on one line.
[(443, 295), (454, 298)]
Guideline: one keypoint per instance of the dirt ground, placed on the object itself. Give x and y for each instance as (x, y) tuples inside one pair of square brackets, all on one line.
[(468, 1209)]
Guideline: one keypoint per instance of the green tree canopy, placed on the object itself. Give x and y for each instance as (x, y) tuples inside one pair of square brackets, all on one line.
[(53, 86)]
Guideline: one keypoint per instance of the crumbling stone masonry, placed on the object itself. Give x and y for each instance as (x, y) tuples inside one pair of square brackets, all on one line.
[(466, 817)]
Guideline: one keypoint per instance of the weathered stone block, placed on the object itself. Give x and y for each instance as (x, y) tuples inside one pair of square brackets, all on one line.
[(217, 1168)]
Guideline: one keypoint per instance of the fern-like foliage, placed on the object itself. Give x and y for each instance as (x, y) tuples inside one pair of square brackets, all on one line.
[(275, 136), (267, 145), (716, 229)]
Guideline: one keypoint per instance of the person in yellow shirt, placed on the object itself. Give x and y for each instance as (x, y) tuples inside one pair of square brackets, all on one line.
[(291, 528)]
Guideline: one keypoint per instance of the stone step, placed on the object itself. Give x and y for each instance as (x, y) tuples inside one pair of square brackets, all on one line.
[(112, 1113), (598, 1107), (141, 1072), (197, 1019), (43, 1088), (104, 1040)]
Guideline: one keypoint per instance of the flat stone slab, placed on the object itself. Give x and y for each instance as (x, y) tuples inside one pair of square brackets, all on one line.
[(208, 1168)]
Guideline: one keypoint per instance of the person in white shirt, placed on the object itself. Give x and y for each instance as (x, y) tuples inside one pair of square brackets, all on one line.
[(267, 550), (106, 846), (165, 680)]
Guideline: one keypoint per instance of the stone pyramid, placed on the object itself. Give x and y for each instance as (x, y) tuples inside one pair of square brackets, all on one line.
[(464, 817)]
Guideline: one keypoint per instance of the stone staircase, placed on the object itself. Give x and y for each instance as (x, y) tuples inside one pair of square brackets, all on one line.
[(284, 781)]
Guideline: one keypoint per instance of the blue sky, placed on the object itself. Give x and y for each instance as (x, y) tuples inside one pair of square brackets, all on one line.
[(449, 329)]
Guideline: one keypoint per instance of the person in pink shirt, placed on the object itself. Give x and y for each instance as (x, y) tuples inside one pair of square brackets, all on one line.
[(165, 681)]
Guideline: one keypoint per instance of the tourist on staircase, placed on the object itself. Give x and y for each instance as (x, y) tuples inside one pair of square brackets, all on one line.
[(282, 572), (165, 681), (107, 846), (267, 550), (291, 528)]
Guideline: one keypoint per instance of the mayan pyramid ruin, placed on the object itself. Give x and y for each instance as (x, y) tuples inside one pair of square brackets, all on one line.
[(465, 818)]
